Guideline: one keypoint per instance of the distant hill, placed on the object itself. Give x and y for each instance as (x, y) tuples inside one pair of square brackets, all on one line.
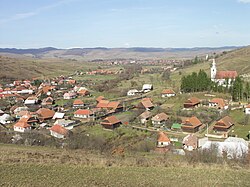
[(27, 68), (114, 53)]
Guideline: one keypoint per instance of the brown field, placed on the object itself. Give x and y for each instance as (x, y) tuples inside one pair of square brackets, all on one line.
[(43, 166)]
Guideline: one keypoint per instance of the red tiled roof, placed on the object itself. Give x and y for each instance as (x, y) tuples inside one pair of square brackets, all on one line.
[(168, 91), (193, 100), (192, 122), (83, 112), (248, 106), (22, 124), (145, 115), (45, 113), (83, 92), (113, 104), (160, 117), (162, 137), (111, 120), (98, 99), (225, 122), (219, 101), (78, 102), (226, 74), (59, 129), (147, 103), (102, 104)]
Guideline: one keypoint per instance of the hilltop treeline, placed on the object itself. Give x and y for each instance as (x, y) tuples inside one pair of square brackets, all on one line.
[(199, 82)]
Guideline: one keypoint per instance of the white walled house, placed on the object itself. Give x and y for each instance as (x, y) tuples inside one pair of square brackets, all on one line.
[(190, 142), (147, 87), (58, 131), (31, 101), (163, 140), (168, 93), (218, 103), (132, 92), (22, 127), (69, 95), (160, 119), (247, 109), (84, 114)]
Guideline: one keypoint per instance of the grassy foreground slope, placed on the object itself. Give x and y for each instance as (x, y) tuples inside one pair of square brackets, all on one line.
[(68, 175), (43, 166)]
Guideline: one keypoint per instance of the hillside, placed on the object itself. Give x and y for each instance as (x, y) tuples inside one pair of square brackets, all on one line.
[(114, 53), (27, 68), (43, 166), (238, 60)]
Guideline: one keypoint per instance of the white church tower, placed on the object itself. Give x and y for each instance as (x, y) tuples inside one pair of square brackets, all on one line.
[(213, 70)]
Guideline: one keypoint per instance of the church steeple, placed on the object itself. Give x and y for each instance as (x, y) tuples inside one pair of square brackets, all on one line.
[(213, 70)]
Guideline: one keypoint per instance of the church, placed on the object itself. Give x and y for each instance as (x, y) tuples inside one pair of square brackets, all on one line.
[(222, 77)]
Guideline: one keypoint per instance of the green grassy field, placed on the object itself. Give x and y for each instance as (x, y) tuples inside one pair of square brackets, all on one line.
[(240, 128)]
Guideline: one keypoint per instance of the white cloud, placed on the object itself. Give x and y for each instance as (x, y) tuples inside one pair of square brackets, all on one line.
[(25, 15), (244, 1)]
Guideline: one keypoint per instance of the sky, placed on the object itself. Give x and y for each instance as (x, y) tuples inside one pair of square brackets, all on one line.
[(124, 23)]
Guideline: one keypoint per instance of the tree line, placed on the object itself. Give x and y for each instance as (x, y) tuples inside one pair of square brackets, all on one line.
[(199, 82)]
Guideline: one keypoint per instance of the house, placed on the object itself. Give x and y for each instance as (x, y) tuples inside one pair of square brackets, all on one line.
[(102, 104), (98, 99), (191, 125), (69, 95), (84, 114), (145, 116), (224, 124), (111, 122), (78, 103), (21, 113), (218, 103), (160, 119), (247, 109), (223, 78), (163, 141), (5, 119), (58, 115), (45, 114), (192, 102), (48, 101), (22, 126), (147, 87), (82, 92), (190, 142), (31, 100), (115, 106), (59, 131), (168, 93), (112, 106), (132, 92), (146, 104), (18, 109), (64, 123), (29, 118)]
